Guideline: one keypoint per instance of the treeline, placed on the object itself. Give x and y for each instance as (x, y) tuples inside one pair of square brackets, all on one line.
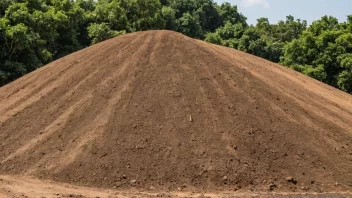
[(36, 32)]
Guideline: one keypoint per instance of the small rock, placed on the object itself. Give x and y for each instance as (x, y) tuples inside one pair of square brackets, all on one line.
[(224, 178), (179, 189), (190, 118), (151, 188), (291, 179), (133, 181), (336, 184), (235, 147), (272, 186), (124, 176)]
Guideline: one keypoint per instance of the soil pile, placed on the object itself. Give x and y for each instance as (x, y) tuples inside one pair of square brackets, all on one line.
[(160, 110)]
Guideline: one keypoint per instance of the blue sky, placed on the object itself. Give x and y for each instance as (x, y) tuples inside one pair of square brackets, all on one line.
[(276, 10)]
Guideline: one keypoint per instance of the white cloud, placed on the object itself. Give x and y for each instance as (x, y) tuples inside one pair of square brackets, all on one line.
[(249, 3)]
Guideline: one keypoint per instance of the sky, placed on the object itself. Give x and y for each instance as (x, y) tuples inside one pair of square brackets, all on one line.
[(276, 10)]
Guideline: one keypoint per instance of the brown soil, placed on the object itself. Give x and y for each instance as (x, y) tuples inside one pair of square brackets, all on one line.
[(19, 186), (160, 110)]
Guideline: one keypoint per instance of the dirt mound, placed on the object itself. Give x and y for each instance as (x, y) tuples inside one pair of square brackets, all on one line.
[(160, 110)]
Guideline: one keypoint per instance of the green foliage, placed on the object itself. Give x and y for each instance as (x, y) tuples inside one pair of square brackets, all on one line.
[(325, 50), (209, 17), (189, 25), (148, 15), (165, 2), (111, 13), (289, 30), (213, 38), (317, 72), (4, 4), (100, 32), (231, 31), (203, 15), (169, 16), (229, 13), (35, 32)]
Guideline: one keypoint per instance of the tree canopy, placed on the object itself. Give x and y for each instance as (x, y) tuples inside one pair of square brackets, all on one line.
[(36, 32), (324, 52)]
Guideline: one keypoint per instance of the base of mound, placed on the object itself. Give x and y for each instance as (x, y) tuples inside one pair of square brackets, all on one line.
[(24, 186)]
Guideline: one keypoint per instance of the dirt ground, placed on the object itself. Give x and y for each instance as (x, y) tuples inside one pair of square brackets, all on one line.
[(158, 109), (16, 186)]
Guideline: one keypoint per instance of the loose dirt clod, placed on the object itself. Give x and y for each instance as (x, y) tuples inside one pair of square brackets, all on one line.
[(133, 181), (291, 179), (122, 107), (272, 186)]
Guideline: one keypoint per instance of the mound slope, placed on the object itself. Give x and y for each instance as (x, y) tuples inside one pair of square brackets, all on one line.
[(160, 109)]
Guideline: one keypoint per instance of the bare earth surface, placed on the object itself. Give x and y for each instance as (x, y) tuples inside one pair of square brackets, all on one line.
[(15, 186), (159, 110)]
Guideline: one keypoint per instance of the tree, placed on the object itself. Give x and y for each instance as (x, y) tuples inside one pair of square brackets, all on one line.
[(325, 23), (112, 14), (209, 17), (4, 4), (148, 15), (229, 13), (227, 35), (251, 42), (34, 32), (189, 25), (203, 14), (101, 32), (184, 6), (323, 52), (213, 38), (169, 16)]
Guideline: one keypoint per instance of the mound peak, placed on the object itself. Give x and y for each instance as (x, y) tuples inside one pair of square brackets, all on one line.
[(160, 109)]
